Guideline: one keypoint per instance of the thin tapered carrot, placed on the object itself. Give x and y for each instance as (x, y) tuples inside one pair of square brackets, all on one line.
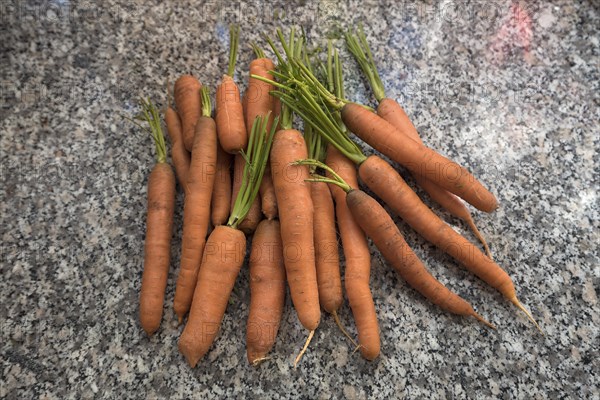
[(358, 258), (179, 154), (392, 112), (267, 290), (224, 256), (380, 227), (221, 195), (196, 211), (159, 227), (189, 106), (229, 117)]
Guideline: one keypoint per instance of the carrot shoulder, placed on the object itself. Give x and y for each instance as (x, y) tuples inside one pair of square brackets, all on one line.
[(189, 106)]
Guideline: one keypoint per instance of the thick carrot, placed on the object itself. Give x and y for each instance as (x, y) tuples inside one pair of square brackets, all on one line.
[(179, 154), (224, 256), (196, 211), (380, 227), (221, 195), (159, 227), (296, 216), (189, 106), (267, 290), (358, 259), (418, 158), (229, 117)]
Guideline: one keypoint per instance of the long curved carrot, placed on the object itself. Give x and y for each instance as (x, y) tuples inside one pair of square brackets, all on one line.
[(392, 112), (221, 195), (196, 211), (224, 256), (380, 227), (358, 258), (189, 106), (267, 290), (229, 116), (181, 157), (159, 227)]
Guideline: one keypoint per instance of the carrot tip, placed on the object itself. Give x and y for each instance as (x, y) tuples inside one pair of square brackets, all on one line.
[(259, 360), (299, 356), (179, 320), (339, 324), (479, 236), (517, 303), (358, 346), (484, 321)]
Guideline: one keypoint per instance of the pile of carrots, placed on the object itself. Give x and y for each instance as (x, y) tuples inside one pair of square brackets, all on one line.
[(247, 171)]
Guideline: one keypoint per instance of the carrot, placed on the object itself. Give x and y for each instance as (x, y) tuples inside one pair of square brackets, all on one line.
[(159, 227), (196, 210), (179, 154), (260, 102), (296, 214), (358, 259), (189, 105), (383, 180), (267, 290), (229, 111), (221, 195), (380, 227), (224, 256), (393, 113)]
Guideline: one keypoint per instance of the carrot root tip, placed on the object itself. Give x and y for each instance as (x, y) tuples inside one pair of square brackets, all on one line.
[(517, 303), (479, 236), (299, 356), (339, 324), (484, 321), (357, 348), (259, 360)]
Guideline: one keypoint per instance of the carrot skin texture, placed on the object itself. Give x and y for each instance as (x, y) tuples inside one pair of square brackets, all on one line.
[(268, 199), (380, 227), (221, 264), (157, 246), (221, 195), (383, 180), (326, 248), (179, 154), (296, 216), (358, 259), (229, 117), (189, 106), (267, 290), (196, 212), (418, 158)]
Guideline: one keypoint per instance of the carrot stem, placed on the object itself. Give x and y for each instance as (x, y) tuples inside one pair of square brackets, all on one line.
[(206, 104), (234, 37), (151, 115), (257, 50), (358, 46)]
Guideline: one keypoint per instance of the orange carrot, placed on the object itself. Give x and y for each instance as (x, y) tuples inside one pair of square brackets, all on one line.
[(159, 228), (221, 195), (358, 259), (196, 211), (179, 154), (189, 105), (229, 111), (249, 224), (267, 290)]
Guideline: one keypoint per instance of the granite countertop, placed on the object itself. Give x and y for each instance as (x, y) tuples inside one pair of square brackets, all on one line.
[(508, 90)]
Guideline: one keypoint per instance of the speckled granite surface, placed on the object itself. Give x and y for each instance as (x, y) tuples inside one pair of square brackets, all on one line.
[(509, 91)]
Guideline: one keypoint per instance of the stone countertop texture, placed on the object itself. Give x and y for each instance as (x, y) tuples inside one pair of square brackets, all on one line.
[(508, 90)]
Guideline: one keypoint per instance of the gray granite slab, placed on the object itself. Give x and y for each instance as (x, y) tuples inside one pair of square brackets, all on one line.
[(510, 91)]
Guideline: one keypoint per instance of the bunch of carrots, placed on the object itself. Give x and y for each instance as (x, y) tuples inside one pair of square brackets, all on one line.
[(245, 170)]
